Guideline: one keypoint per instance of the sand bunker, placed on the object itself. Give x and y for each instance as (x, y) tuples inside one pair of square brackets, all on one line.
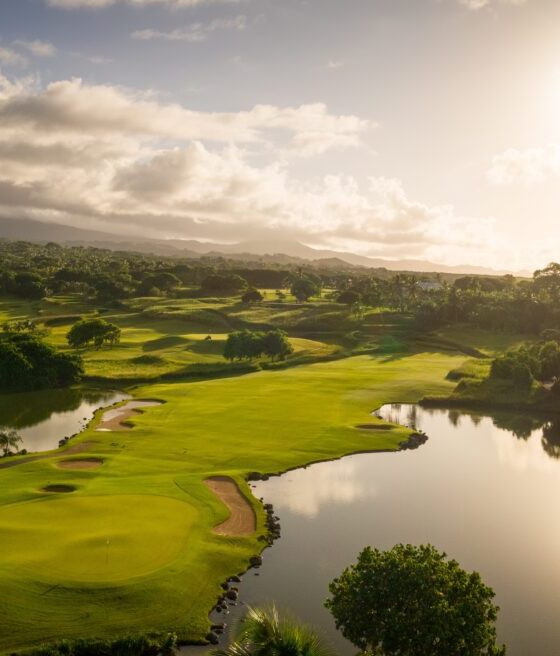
[(59, 489), (242, 520), (82, 463), (116, 418)]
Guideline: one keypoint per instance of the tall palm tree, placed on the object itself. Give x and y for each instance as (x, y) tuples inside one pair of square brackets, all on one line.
[(264, 633), (9, 439)]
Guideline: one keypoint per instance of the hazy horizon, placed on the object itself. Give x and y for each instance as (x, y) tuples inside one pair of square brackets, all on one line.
[(401, 129)]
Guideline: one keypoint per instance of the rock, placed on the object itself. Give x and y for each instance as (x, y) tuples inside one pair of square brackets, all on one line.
[(234, 579), (256, 561), (225, 586), (268, 506), (232, 595), (218, 627), (212, 638)]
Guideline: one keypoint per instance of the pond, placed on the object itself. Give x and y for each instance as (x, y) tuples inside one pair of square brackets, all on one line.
[(486, 490), (43, 418)]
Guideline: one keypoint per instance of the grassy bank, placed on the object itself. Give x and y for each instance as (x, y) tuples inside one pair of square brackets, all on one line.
[(132, 547)]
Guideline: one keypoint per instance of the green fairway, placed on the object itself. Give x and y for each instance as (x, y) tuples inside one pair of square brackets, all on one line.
[(92, 538), (162, 566)]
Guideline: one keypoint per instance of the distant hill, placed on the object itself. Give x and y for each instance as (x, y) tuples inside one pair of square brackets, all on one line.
[(283, 252)]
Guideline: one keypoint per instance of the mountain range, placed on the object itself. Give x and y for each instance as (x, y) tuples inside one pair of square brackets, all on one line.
[(280, 251)]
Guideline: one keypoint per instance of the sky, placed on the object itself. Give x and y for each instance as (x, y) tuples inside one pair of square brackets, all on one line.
[(425, 129)]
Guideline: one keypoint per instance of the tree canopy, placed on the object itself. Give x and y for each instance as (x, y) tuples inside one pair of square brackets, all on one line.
[(248, 345), (412, 601), (28, 363), (93, 331), (304, 288), (9, 440)]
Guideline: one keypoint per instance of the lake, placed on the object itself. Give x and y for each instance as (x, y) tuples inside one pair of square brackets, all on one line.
[(486, 490), (45, 417)]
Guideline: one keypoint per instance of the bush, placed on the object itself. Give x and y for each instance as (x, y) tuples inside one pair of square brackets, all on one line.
[(512, 368)]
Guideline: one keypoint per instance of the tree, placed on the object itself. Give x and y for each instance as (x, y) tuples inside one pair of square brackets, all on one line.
[(276, 345), (28, 363), (264, 632), (412, 601), (349, 297), (303, 289), (252, 296), (96, 331), (226, 284), (28, 285), (9, 439), (513, 368)]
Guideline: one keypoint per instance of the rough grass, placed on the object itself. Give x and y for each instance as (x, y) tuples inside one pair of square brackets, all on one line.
[(163, 565)]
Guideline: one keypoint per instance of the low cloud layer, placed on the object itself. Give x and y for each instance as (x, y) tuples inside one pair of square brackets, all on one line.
[(107, 158)]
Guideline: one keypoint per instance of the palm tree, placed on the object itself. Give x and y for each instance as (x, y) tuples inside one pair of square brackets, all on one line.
[(264, 633), (9, 439)]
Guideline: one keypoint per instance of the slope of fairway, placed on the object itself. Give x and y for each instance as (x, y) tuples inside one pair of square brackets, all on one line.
[(149, 498)]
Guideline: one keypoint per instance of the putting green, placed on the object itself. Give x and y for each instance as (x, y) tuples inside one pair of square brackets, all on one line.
[(95, 539)]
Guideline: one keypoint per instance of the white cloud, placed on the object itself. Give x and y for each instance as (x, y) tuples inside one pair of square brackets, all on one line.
[(107, 158), (99, 4), (525, 167), (335, 64), (481, 4), (70, 106), (9, 57), (195, 32), (37, 47)]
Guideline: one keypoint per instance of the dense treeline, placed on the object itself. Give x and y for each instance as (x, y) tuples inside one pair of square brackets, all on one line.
[(502, 303), (533, 361), (28, 363)]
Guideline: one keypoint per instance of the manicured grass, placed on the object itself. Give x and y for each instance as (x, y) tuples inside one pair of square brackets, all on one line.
[(160, 337), (149, 495)]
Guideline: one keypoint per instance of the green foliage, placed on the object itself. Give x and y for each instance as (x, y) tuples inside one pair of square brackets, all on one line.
[(511, 367), (264, 632), (247, 345), (304, 288), (26, 285), (9, 439), (93, 331), (28, 363), (252, 296), (349, 297), (128, 646), (412, 601), (223, 284)]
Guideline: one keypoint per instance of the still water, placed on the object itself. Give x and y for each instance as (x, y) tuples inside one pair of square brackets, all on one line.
[(43, 418), (486, 490)]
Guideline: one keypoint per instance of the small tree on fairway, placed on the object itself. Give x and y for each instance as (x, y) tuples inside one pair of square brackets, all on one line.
[(96, 331), (303, 289), (276, 345), (9, 439), (252, 296), (412, 601)]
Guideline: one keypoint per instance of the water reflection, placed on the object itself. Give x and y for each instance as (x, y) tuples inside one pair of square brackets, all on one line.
[(43, 418), (483, 489), (305, 495)]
